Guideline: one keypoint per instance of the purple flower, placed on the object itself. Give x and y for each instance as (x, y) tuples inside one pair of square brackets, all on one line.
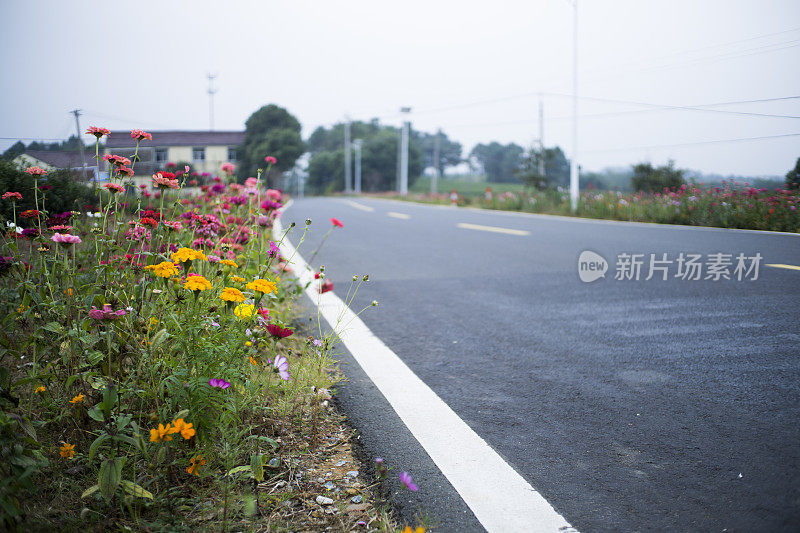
[(319, 343), (219, 383), (106, 313), (405, 477), (282, 366), (273, 249)]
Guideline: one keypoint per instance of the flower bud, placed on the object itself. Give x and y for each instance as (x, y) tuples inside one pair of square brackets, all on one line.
[(355, 277), (374, 303), (308, 222), (365, 278)]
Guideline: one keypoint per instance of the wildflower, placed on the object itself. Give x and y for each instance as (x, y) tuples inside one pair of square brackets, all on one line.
[(12, 195), (36, 171), (118, 160), (273, 249), (60, 227), (253, 361), (125, 170), (187, 254), (153, 321), (197, 283), (161, 433), (106, 313), (39, 389), (97, 132), (163, 182), (405, 477), (195, 464), (270, 160), (219, 383), (77, 399), (261, 285), (326, 286), (281, 367), (408, 529), (65, 239), (229, 263), (278, 332), (164, 269), (243, 311), (67, 451), (174, 225), (30, 213), (228, 168), (147, 221), (336, 222), (186, 430), (230, 294), (238, 279), (140, 135)]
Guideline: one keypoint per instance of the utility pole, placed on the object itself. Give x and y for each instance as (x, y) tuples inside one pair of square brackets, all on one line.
[(573, 167), (348, 187), (357, 145), (541, 136), (77, 113), (404, 153), (211, 92), (437, 146)]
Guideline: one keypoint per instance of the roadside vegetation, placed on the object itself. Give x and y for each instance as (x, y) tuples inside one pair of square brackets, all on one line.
[(155, 374)]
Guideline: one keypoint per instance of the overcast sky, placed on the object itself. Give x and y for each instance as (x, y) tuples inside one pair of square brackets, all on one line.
[(472, 68)]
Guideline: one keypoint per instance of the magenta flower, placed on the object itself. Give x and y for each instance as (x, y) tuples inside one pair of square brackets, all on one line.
[(405, 477), (336, 222), (66, 239), (106, 313), (282, 367), (270, 160), (273, 249), (278, 332), (219, 383)]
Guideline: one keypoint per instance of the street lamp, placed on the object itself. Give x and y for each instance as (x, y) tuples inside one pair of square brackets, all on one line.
[(404, 153)]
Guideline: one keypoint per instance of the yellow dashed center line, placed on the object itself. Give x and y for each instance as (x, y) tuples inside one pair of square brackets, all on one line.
[(359, 206), (493, 229), (398, 215), (778, 265)]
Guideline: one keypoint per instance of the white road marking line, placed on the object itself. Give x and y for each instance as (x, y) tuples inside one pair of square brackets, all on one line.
[(500, 498), (493, 229), (359, 206), (779, 265), (398, 215)]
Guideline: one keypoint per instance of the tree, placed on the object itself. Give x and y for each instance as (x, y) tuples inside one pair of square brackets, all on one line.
[(449, 151), (556, 168), (271, 130), (656, 179), (14, 150), (498, 161), (793, 176)]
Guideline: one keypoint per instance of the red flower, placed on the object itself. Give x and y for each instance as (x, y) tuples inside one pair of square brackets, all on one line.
[(270, 160), (98, 132), (336, 222), (170, 165), (326, 286), (278, 332), (30, 213), (12, 195), (148, 221), (140, 135)]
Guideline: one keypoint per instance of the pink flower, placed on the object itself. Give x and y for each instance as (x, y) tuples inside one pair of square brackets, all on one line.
[(273, 194), (270, 160), (140, 135), (405, 477), (125, 170), (326, 286), (174, 225), (106, 313), (97, 132), (336, 222), (282, 367), (12, 195), (60, 227), (163, 182), (228, 168), (114, 188), (117, 160), (36, 171), (219, 383), (273, 249), (65, 239), (250, 182)]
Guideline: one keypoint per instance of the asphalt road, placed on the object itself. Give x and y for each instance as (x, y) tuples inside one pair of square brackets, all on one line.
[(630, 405)]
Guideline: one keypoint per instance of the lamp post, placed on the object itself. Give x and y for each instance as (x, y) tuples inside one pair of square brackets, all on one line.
[(404, 152), (357, 145)]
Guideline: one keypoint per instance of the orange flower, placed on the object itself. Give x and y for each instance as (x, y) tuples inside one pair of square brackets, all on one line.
[(77, 399), (185, 429), (196, 463), (160, 433), (39, 389), (253, 361), (67, 451)]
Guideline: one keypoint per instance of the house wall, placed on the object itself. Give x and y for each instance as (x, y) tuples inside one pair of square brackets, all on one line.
[(26, 160)]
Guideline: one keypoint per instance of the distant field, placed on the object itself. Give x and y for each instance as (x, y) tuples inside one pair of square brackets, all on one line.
[(464, 188)]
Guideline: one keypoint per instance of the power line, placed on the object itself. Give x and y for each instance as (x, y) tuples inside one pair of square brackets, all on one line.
[(697, 143)]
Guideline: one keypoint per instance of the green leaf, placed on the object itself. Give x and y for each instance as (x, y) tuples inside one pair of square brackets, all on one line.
[(159, 338), (123, 421), (96, 444), (110, 476), (271, 442), (125, 438), (181, 414), (94, 357), (96, 414), (257, 467), (55, 327), (135, 490), (91, 490), (238, 470)]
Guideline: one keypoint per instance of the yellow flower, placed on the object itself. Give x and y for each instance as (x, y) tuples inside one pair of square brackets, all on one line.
[(77, 399), (66, 450), (229, 294), (253, 361), (187, 254), (160, 433), (22, 308), (164, 269), (153, 321), (418, 530), (229, 263), (248, 343), (237, 279), (197, 283), (39, 389), (195, 464), (185, 429), (244, 310), (261, 285)]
